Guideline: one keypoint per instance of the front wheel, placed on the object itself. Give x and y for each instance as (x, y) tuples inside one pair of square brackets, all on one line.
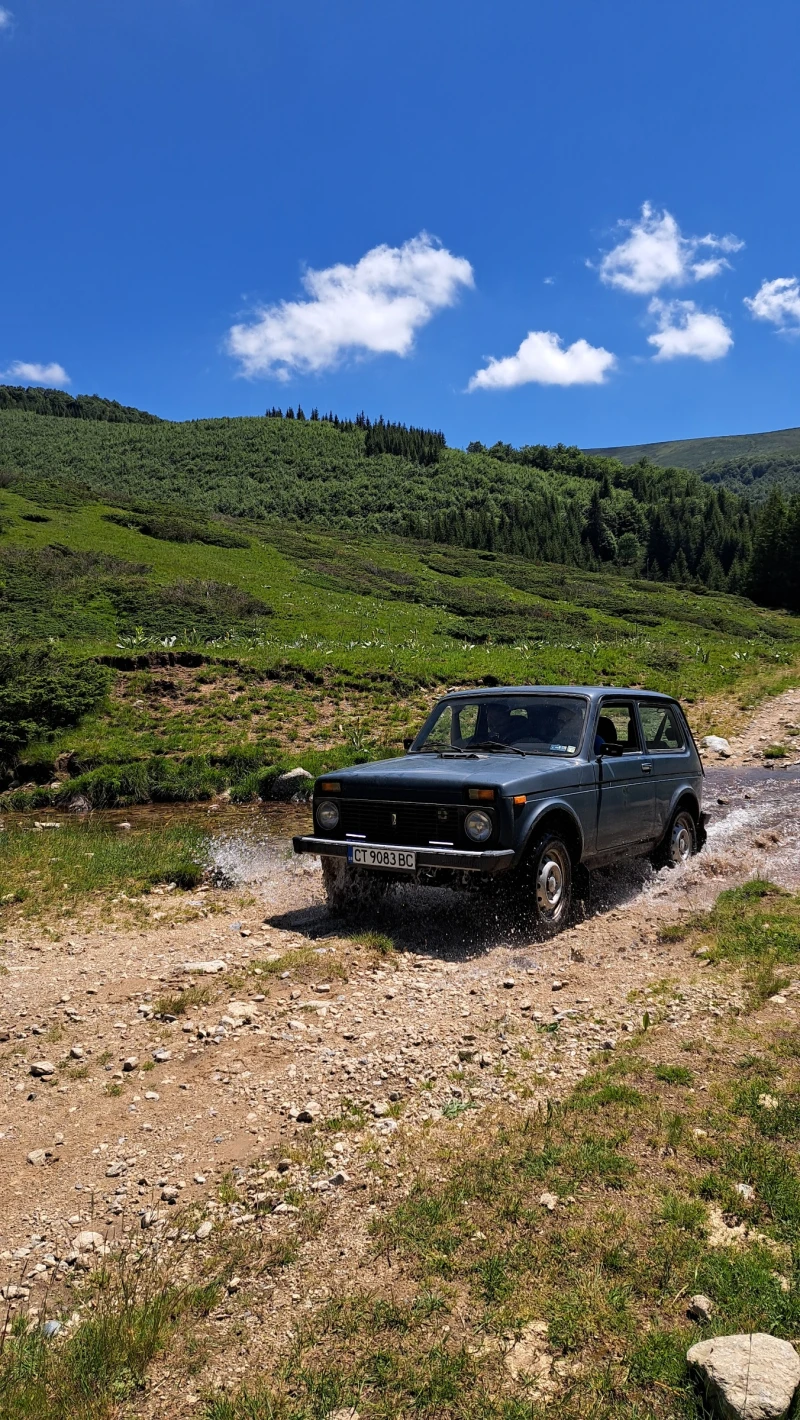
[(349, 889), (679, 842), (547, 885)]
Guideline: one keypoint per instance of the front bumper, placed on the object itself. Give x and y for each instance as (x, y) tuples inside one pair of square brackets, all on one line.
[(492, 860)]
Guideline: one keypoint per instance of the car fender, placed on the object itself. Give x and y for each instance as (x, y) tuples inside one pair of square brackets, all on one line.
[(684, 789), (533, 815)]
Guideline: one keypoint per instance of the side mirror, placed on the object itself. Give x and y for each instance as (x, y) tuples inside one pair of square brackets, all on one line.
[(614, 751)]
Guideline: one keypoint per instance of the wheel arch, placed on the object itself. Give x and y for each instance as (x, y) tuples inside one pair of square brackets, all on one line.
[(685, 798), (556, 818)]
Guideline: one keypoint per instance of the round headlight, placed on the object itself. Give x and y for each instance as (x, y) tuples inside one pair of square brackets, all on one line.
[(478, 826), (327, 814)]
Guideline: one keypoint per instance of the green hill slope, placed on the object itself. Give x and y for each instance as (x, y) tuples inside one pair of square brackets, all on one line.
[(749, 464), (252, 644), (553, 504)]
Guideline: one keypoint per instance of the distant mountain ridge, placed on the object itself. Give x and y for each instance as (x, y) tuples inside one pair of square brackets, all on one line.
[(750, 464), (696, 453)]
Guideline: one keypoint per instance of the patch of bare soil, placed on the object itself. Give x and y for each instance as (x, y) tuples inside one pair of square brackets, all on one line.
[(292, 1095)]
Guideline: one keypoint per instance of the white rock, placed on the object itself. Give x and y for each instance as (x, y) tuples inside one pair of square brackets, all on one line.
[(549, 1201), (295, 781), (37, 1157), (88, 1242), (204, 1231), (309, 1112), (241, 1012), (747, 1377), (719, 745), (43, 1067), (700, 1307), (205, 968)]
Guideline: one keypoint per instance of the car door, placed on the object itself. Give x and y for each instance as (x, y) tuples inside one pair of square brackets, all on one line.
[(625, 790), (666, 745)]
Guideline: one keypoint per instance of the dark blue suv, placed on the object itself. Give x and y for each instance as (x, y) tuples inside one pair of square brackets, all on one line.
[(515, 787)]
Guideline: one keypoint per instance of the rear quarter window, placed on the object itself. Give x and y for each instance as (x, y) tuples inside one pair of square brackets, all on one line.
[(662, 728)]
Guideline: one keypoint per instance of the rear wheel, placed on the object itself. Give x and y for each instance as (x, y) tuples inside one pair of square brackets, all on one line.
[(679, 842), (546, 885)]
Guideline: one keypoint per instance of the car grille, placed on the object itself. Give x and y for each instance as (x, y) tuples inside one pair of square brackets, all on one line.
[(414, 824)]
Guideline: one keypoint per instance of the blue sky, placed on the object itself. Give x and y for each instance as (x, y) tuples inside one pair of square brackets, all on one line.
[(524, 221)]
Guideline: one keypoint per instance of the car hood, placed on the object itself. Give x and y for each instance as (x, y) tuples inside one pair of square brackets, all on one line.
[(428, 777)]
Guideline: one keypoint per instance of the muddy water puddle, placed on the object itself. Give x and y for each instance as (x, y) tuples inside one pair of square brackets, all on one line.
[(753, 831)]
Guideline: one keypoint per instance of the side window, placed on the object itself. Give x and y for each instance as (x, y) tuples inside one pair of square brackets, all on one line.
[(662, 727), (617, 726)]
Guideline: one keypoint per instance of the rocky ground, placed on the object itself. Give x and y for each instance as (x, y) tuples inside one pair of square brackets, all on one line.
[(241, 1053)]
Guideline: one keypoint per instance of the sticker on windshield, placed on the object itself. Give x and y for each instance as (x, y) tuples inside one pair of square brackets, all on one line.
[(563, 749)]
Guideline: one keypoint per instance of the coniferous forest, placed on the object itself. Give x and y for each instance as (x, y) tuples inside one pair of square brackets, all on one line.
[(543, 503)]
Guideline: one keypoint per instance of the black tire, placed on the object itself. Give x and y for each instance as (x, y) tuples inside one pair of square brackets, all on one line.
[(350, 890), (545, 885), (679, 843)]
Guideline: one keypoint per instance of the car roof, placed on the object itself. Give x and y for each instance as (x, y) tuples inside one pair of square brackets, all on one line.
[(593, 692)]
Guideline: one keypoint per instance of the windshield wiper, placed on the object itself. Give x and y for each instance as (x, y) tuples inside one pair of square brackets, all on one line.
[(498, 747)]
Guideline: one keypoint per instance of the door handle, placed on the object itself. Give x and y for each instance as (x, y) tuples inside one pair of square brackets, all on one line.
[(647, 768)]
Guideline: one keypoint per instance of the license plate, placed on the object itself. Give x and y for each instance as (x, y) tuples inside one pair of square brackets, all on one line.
[(382, 858)]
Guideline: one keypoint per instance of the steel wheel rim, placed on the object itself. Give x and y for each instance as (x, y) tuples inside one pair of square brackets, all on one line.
[(552, 877), (682, 839)]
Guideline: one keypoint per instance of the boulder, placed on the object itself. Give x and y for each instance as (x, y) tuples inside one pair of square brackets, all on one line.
[(88, 1241), (42, 1068), (292, 783), (719, 745), (747, 1377)]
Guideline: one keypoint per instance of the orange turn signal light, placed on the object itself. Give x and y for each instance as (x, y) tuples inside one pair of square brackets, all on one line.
[(520, 799), (481, 794), (329, 786)]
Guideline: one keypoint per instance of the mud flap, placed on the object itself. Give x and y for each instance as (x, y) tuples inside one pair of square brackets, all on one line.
[(702, 831)]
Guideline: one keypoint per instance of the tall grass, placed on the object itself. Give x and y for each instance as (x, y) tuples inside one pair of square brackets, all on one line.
[(91, 1369), (58, 866)]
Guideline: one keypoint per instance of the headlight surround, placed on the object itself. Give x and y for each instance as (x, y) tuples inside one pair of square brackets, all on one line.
[(327, 814), (478, 826)]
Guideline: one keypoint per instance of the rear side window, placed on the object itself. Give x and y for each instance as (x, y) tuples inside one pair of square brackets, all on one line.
[(617, 726), (661, 727)]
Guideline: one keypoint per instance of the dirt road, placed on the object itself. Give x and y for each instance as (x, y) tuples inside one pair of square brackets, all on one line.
[(111, 1114)]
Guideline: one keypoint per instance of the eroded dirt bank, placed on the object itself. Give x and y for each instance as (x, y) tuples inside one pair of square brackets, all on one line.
[(295, 1025)]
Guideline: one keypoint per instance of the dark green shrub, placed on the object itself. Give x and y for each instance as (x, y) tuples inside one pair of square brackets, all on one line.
[(41, 690)]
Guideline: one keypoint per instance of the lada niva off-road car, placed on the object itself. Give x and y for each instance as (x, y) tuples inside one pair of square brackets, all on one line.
[(514, 788)]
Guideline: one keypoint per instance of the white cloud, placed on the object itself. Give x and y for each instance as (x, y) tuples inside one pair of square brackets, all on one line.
[(685, 330), (542, 360), (6, 18), (377, 305), (777, 301), (52, 374), (655, 253)]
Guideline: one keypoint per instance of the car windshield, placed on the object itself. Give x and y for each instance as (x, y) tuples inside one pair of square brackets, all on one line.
[(526, 724)]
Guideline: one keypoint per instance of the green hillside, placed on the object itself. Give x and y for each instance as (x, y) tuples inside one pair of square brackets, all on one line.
[(170, 658), (748, 464), (540, 503)]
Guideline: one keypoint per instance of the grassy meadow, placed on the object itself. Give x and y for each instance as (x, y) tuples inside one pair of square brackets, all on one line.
[(296, 646)]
